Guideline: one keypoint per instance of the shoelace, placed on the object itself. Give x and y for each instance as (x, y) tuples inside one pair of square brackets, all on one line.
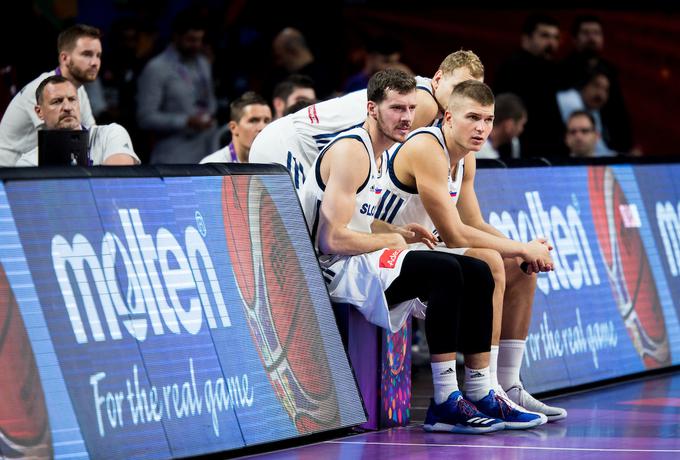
[(505, 407), (467, 407)]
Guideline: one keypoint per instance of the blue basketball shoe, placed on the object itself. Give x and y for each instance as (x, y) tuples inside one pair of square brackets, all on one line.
[(458, 415), (515, 417)]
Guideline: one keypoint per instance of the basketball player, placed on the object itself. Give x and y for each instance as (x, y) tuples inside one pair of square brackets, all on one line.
[(367, 263), (431, 181), (294, 141)]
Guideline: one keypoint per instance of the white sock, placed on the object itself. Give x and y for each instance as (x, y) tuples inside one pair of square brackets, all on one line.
[(493, 368), (476, 383), (510, 355), (444, 380)]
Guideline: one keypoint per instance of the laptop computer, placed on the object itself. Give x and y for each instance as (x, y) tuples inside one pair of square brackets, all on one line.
[(59, 147)]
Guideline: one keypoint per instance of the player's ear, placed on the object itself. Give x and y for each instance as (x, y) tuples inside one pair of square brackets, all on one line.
[(436, 79), (233, 127), (372, 109), (38, 111)]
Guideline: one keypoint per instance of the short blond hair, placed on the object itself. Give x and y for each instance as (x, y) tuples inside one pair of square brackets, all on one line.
[(463, 59)]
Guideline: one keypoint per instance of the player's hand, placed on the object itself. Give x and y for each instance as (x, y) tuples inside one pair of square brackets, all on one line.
[(537, 256), (395, 241), (545, 242), (416, 233)]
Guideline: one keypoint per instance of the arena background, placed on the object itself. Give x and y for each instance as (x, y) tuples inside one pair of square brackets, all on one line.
[(640, 38)]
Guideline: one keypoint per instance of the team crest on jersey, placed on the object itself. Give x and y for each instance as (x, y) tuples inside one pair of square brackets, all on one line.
[(389, 257)]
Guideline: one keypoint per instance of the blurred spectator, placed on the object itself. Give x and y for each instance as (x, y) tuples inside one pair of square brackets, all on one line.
[(299, 105), (581, 136), (508, 124), (293, 55), (57, 107), (249, 115), (588, 41), (129, 46), (175, 96), (290, 91), (381, 53), (591, 95), (531, 73), (80, 52)]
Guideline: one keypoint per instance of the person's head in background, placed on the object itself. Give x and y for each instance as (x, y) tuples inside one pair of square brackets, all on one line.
[(382, 53), (581, 136), (299, 105), (57, 103), (290, 50), (456, 68), (541, 36), (291, 90), (509, 121), (188, 33), (587, 34), (249, 114), (594, 88), (80, 52)]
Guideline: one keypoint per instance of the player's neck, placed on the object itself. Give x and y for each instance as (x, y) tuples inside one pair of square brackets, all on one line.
[(379, 141), (242, 152), (456, 151)]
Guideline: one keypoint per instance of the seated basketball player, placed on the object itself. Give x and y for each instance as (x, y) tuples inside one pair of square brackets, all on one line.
[(431, 181), (367, 263), (294, 141)]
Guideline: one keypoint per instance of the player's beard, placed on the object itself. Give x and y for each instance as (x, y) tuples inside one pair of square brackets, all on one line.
[(81, 76), (390, 133)]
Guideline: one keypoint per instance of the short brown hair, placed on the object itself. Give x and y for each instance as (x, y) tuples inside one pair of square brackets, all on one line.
[(67, 39), (475, 90), (463, 59), (51, 80), (389, 79), (240, 103)]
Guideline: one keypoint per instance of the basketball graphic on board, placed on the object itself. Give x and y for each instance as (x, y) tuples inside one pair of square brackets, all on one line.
[(24, 426), (277, 304), (628, 269)]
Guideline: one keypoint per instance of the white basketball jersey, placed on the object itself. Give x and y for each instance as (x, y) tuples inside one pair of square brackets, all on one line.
[(401, 204), (318, 124), (425, 84), (295, 140), (367, 196)]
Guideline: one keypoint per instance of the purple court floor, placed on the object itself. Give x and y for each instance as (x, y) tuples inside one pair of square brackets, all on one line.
[(632, 420)]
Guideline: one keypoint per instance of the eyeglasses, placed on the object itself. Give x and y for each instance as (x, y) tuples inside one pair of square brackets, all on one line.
[(580, 130)]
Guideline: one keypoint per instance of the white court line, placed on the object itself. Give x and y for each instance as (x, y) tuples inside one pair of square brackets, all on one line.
[(577, 449)]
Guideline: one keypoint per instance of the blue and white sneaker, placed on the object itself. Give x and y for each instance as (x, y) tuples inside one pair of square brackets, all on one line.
[(515, 417), (458, 415)]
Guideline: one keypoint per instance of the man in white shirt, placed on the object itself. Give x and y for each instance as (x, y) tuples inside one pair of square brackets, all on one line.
[(248, 114), (58, 108), (80, 52)]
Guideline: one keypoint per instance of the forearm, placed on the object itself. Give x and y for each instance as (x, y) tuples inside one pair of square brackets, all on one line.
[(348, 242), (380, 226), (490, 229), (471, 237)]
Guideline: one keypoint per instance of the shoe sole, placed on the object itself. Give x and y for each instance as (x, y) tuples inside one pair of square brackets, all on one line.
[(554, 418), (523, 425), (459, 429)]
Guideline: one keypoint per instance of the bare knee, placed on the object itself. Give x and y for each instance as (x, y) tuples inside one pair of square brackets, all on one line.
[(516, 277)]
